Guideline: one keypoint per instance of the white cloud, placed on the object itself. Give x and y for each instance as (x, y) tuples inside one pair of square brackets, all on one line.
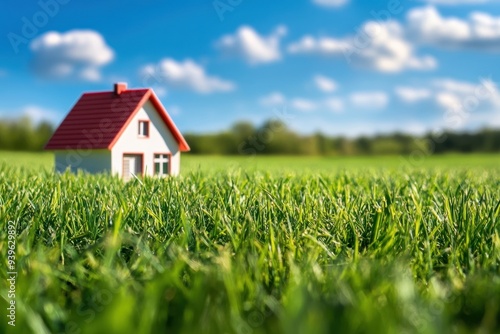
[(340, 126), (90, 74), (456, 2), (480, 31), (331, 3), (252, 47), (381, 46), (324, 46), (466, 96), (389, 46), (38, 114), (369, 100), (185, 75), (455, 86), (160, 91), (448, 101), (325, 84), (467, 105), (174, 110), (274, 99), (76, 53), (413, 95), (334, 104), (459, 104), (302, 104)]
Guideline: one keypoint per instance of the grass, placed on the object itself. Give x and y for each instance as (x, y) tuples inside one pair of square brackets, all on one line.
[(291, 164), (282, 245), (27, 160), (303, 164)]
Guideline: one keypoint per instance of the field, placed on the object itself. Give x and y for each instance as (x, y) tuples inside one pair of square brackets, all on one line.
[(256, 245)]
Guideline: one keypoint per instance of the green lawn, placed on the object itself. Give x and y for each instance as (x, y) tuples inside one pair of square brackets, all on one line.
[(289, 164), (29, 160), (281, 245), (299, 164)]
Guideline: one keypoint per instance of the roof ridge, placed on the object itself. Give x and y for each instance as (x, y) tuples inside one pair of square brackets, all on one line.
[(112, 92)]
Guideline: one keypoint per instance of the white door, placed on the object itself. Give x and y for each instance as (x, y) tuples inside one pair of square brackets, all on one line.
[(132, 165)]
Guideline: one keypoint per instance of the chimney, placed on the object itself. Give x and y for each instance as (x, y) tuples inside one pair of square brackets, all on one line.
[(120, 87)]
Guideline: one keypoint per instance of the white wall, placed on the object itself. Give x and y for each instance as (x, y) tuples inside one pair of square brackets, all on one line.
[(160, 140), (96, 161)]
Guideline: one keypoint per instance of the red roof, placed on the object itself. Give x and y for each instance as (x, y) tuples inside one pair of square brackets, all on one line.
[(98, 119)]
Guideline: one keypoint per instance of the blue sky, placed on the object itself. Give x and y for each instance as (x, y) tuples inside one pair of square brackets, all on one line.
[(345, 67)]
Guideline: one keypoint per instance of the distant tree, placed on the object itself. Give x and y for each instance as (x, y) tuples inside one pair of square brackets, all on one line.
[(363, 145), (44, 131), (386, 145), (344, 146), (22, 134), (406, 142), (243, 130)]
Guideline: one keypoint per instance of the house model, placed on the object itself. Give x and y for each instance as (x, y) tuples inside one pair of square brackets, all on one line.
[(124, 132)]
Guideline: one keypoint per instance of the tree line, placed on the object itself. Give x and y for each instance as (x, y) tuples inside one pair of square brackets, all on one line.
[(22, 134), (274, 137)]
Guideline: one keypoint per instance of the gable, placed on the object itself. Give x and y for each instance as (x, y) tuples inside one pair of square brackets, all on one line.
[(162, 112), (159, 140)]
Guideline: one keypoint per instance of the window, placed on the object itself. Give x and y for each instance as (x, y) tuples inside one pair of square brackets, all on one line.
[(143, 128), (161, 164)]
